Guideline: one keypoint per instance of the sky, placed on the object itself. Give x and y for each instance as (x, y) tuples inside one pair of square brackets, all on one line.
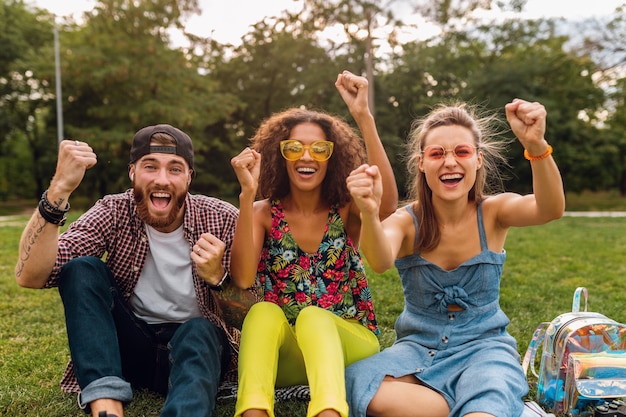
[(226, 21)]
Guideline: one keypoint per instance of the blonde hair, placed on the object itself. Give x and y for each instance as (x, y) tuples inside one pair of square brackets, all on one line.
[(488, 178)]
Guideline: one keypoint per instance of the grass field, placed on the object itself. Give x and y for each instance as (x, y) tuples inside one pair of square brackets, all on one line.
[(544, 266)]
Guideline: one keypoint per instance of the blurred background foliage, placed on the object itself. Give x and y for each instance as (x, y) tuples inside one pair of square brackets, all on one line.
[(121, 71)]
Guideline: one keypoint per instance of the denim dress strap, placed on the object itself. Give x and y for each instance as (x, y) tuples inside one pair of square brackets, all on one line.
[(409, 208), (481, 226)]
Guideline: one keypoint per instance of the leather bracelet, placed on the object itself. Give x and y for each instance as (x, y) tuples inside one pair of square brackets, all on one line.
[(58, 219), (218, 287)]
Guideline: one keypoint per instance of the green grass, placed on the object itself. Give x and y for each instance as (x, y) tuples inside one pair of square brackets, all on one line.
[(596, 201), (544, 266)]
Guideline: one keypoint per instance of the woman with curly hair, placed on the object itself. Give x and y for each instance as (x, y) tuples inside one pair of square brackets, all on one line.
[(299, 245), (453, 355)]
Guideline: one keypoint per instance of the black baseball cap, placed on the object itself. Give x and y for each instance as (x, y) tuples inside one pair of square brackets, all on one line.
[(141, 143)]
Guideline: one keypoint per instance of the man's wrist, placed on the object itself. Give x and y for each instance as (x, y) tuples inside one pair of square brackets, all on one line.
[(50, 212), (52, 207), (218, 286)]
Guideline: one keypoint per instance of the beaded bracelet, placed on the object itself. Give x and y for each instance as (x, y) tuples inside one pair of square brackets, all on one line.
[(54, 218), (51, 213), (544, 155), (51, 208)]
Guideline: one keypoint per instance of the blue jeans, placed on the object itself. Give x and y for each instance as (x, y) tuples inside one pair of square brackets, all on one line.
[(113, 350)]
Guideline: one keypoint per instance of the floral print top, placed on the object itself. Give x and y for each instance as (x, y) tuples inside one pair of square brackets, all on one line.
[(332, 278)]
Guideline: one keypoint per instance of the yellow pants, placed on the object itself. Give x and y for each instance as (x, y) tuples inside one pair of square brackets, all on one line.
[(315, 350)]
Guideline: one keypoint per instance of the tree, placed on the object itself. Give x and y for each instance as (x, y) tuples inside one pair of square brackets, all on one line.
[(605, 41), (360, 20), (25, 99), (616, 131), (495, 63), (275, 68), (121, 74)]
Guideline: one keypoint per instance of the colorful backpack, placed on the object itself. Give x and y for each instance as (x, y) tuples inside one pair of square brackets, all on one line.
[(583, 359)]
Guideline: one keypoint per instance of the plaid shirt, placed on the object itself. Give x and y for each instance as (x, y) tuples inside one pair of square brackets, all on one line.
[(112, 228)]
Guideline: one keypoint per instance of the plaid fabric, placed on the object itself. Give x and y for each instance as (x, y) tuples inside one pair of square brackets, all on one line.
[(227, 391), (112, 228)]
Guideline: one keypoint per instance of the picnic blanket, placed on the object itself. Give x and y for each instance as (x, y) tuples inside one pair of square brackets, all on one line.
[(228, 391)]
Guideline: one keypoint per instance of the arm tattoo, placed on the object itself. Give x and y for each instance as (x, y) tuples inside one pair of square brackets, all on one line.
[(30, 237), (59, 203)]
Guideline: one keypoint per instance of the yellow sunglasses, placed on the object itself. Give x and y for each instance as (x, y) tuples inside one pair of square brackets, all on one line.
[(292, 149)]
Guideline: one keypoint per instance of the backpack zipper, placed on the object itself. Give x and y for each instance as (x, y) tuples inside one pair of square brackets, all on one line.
[(568, 323)]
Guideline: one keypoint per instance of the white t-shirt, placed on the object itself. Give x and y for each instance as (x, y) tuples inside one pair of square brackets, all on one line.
[(165, 291)]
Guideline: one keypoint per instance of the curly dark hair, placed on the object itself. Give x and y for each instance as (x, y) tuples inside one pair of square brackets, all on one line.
[(348, 153)]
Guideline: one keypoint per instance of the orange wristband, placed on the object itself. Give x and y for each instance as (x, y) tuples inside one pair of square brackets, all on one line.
[(544, 155)]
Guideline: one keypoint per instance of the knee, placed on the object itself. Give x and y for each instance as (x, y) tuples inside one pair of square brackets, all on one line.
[(265, 308), (312, 317), (82, 273), (200, 335), (198, 330), (198, 343), (263, 314)]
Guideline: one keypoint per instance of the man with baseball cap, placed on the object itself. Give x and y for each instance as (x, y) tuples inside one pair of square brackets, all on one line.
[(148, 316)]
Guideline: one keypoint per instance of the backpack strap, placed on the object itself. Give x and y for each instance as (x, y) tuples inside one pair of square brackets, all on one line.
[(540, 332), (533, 347), (576, 300)]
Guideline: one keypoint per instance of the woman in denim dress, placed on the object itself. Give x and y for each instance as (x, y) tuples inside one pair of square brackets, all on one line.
[(452, 355)]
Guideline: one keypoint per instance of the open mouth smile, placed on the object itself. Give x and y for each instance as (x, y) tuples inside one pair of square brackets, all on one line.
[(451, 179), (160, 200), (306, 171)]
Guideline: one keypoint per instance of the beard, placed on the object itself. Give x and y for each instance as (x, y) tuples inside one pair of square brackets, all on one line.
[(142, 199)]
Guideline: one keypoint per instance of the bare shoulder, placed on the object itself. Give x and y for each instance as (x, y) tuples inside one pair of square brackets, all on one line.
[(497, 201), (263, 213), (495, 208), (261, 206), (401, 216), (262, 209), (400, 227)]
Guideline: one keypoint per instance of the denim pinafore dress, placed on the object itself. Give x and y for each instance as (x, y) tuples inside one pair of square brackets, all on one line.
[(466, 356)]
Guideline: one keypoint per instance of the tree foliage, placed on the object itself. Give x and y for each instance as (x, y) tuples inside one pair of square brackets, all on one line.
[(121, 71), (122, 74), (25, 98)]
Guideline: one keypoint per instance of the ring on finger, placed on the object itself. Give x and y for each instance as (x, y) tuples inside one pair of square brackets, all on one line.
[(77, 143)]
